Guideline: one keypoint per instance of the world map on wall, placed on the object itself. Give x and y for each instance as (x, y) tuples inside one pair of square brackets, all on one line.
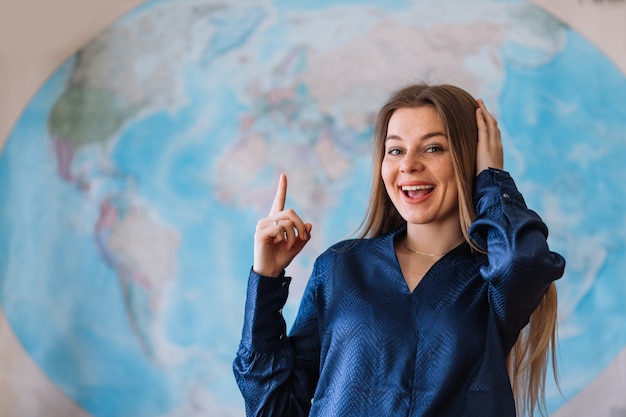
[(132, 183)]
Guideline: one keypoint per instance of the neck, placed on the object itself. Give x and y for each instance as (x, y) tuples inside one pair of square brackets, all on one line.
[(433, 240)]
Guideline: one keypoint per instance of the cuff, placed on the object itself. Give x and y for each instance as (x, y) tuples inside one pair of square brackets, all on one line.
[(264, 326), (495, 187)]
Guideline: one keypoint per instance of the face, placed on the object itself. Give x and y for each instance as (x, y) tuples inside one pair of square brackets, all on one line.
[(417, 168)]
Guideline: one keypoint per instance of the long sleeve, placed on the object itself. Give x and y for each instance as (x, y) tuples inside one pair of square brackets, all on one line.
[(275, 373), (520, 264)]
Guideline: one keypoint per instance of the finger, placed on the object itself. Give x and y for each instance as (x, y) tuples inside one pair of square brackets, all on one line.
[(306, 235), (296, 223), (281, 194), (289, 234), (490, 122), (272, 233), (482, 126), (489, 152), (279, 234), (480, 119), (481, 105), (298, 246)]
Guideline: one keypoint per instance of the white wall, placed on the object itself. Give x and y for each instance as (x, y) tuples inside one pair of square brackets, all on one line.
[(36, 36)]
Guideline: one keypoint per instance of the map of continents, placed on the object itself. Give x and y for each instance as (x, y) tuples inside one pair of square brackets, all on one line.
[(136, 175)]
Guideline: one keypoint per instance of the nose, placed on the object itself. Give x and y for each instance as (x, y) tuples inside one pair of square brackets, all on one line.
[(411, 163)]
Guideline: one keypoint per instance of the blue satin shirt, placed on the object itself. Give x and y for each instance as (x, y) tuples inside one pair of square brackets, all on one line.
[(364, 345)]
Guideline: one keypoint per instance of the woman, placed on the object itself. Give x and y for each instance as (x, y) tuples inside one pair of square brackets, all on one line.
[(419, 316)]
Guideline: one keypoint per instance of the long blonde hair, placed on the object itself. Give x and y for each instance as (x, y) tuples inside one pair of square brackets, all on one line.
[(528, 360)]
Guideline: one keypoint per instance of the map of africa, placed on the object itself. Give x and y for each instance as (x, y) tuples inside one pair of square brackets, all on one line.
[(132, 183)]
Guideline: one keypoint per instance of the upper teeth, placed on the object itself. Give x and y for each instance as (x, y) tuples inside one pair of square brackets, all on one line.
[(416, 187)]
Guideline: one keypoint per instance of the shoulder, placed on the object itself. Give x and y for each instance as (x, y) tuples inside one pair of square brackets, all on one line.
[(352, 247), (356, 247), (350, 262), (355, 253)]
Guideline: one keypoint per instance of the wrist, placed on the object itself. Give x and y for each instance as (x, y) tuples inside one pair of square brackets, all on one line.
[(269, 273)]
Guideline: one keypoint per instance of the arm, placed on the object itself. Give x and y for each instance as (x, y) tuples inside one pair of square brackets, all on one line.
[(277, 375), (520, 265)]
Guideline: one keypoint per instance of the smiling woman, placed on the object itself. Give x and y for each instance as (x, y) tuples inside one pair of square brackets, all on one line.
[(420, 315), (230, 97), (419, 176)]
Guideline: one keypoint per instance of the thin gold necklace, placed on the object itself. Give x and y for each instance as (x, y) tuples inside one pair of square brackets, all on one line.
[(422, 253)]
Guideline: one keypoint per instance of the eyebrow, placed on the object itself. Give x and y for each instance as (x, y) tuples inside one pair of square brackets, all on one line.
[(426, 136)]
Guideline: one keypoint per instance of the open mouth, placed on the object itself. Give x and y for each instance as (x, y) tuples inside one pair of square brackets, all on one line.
[(417, 191)]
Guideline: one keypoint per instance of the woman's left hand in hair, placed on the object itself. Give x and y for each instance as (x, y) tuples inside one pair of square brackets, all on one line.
[(489, 153)]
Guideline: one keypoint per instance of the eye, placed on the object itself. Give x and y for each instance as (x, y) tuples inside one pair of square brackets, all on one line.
[(433, 149), (393, 151)]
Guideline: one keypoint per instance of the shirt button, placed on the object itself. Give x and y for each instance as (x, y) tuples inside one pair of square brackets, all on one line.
[(505, 195), (281, 336), (280, 311)]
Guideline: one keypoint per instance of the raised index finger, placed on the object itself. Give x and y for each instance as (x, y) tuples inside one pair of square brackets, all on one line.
[(281, 194)]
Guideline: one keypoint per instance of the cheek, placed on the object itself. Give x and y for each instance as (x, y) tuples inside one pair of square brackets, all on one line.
[(453, 197), (446, 172), (387, 175)]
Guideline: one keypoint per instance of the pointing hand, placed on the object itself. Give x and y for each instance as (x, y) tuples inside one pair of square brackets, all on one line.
[(279, 237)]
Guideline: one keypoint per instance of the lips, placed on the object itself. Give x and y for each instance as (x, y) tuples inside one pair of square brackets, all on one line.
[(417, 191)]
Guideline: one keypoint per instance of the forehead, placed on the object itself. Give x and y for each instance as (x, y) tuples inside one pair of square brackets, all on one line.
[(414, 120)]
